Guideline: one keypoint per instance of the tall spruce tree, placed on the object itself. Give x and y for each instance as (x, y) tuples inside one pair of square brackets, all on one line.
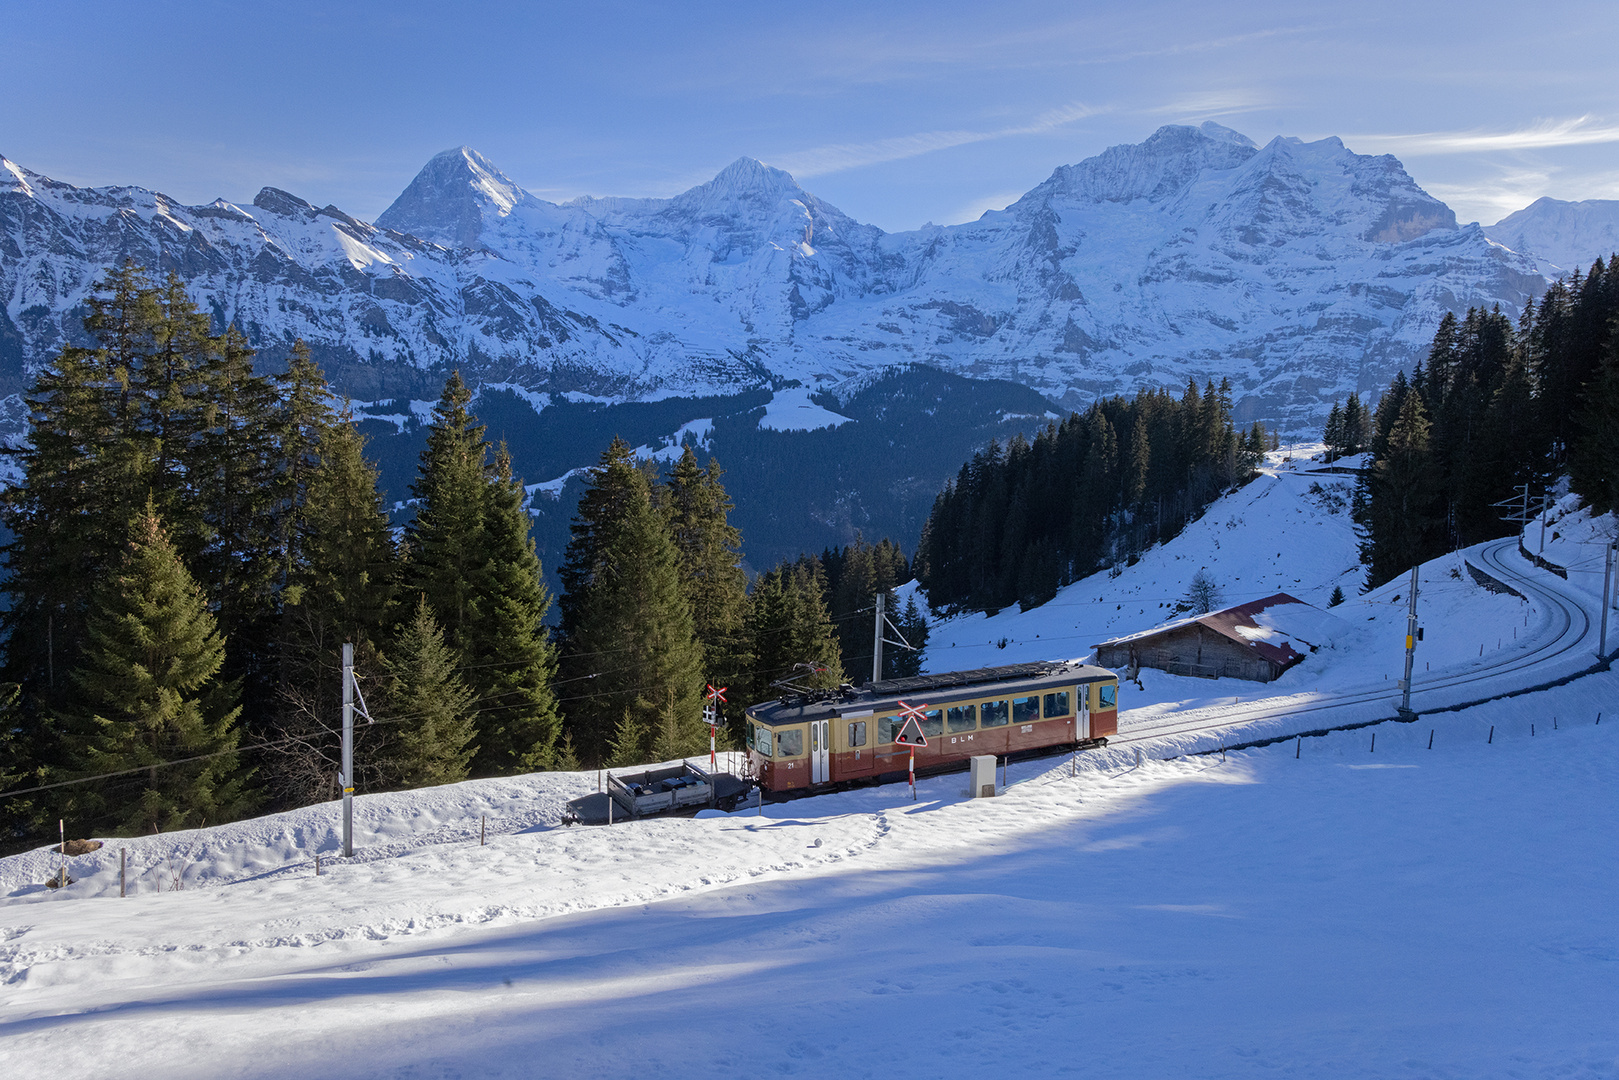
[(632, 652), (341, 590), (444, 544), (1404, 491), (430, 706), (510, 662), (151, 696), (789, 625), (1594, 460), (230, 477), (710, 553)]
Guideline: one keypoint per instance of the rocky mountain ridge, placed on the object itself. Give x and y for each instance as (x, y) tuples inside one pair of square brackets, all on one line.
[(1298, 270)]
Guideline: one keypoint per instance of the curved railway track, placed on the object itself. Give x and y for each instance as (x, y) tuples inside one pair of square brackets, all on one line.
[(1566, 637)]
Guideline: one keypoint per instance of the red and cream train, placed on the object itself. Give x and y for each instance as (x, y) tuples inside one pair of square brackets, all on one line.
[(806, 740)]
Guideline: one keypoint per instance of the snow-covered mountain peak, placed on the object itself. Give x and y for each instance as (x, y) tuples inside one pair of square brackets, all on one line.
[(14, 176), (1155, 170), (452, 198), (1563, 234), (744, 178)]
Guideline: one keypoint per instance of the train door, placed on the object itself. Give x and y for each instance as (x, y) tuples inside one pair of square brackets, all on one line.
[(1082, 713), (820, 751)]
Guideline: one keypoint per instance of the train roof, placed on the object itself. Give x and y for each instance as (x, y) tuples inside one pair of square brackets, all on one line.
[(937, 689)]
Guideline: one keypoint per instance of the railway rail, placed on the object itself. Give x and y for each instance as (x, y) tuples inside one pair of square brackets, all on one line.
[(1566, 648)]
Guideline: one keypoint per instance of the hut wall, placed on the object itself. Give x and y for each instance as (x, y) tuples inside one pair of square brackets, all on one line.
[(1191, 650)]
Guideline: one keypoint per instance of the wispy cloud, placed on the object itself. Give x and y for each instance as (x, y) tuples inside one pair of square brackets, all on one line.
[(837, 157), (1585, 131), (1213, 103)]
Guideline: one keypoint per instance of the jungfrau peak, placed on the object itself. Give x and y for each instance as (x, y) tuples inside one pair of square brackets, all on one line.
[(1297, 270)]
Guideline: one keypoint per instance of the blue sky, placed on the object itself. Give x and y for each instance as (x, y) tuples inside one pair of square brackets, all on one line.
[(898, 113)]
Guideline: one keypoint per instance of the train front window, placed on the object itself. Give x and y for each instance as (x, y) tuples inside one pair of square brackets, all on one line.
[(993, 713), (1025, 709), (1057, 704), (790, 743), (761, 740), (857, 733), (961, 718), (933, 722), (1108, 694)]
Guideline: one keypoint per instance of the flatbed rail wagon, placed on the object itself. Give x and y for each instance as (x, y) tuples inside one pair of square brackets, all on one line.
[(809, 738), (659, 791)]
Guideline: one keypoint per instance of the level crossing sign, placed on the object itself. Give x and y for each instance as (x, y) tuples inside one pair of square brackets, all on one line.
[(910, 732)]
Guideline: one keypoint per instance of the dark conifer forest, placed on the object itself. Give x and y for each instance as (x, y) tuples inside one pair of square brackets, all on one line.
[(1496, 405), (1023, 520)]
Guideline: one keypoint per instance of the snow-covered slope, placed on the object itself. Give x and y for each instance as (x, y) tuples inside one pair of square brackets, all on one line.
[(1345, 913), (1287, 531), (1299, 271), (1566, 235)]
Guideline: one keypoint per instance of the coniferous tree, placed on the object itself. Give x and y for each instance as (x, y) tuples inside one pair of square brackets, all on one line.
[(430, 705), (1404, 490), (913, 627), (789, 626), (709, 547), (627, 746), (509, 658), (152, 695), (631, 645), (342, 590), (445, 549), (1594, 462), (230, 476)]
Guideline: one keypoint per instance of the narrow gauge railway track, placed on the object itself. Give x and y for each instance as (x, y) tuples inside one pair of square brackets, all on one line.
[(1569, 633)]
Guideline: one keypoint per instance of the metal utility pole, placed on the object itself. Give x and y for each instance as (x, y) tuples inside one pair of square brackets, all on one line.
[(1410, 649), (877, 645), (346, 778), (1607, 577), (1545, 512)]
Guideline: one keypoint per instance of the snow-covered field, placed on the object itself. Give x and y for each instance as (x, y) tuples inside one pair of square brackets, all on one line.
[(1332, 906), (1403, 912)]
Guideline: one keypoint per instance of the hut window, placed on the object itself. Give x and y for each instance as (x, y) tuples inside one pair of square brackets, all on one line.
[(962, 718), (790, 743), (994, 713), (857, 733), (1057, 704), (1025, 709), (933, 722)]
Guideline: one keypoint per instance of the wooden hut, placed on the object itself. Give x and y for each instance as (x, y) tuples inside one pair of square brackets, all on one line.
[(1256, 641)]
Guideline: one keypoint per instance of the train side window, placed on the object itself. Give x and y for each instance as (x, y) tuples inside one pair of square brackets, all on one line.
[(857, 733), (750, 736), (761, 741), (1057, 704), (790, 743), (1025, 709), (993, 713), (887, 728), (961, 717), (933, 722), (1108, 693)]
